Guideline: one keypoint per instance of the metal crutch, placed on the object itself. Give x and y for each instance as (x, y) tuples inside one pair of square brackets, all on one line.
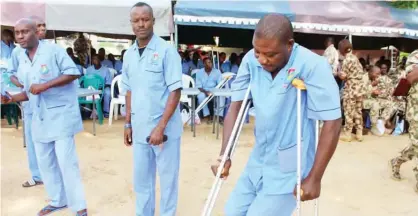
[(208, 99), (232, 142), (300, 86)]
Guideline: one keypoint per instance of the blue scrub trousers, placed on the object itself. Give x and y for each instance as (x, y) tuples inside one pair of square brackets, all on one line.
[(106, 100), (30, 148), (58, 164), (147, 159), (249, 199)]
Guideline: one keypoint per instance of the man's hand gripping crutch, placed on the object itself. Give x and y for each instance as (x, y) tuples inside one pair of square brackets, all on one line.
[(310, 187), (224, 163)]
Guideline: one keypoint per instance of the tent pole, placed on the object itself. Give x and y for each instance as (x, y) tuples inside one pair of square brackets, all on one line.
[(55, 38), (176, 35), (350, 38)]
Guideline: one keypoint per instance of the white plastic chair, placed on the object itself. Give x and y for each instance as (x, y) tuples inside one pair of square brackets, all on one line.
[(115, 101), (226, 75), (187, 80), (194, 71)]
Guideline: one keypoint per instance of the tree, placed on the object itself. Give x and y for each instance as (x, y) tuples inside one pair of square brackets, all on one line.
[(405, 4)]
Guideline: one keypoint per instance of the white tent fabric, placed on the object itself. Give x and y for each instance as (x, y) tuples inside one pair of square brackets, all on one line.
[(92, 16)]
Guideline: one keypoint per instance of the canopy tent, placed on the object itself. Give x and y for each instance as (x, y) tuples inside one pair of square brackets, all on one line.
[(93, 16), (338, 17)]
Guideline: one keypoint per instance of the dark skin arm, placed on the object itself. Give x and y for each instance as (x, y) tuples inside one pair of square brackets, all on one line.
[(15, 81), (59, 81), (204, 91), (128, 131), (22, 96), (328, 141), (156, 137)]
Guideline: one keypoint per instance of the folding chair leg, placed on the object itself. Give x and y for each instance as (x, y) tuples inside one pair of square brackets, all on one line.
[(112, 106)]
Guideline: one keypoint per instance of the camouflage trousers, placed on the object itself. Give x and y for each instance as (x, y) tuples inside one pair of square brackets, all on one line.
[(388, 110), (352, 113), (411, 151)]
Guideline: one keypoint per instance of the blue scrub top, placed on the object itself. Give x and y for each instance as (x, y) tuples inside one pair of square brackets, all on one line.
[(103, 71), (5, 54), (107, 63), (56, 112), (118, 66), (151, 77), (208, 82), (274, 154)]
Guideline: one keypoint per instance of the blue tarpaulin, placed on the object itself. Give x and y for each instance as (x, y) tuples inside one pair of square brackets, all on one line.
[(347, 17)]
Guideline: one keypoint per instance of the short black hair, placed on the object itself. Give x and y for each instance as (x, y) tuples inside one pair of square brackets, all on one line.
[(7, 32), (143, 4), (274, 26), (206, 58)]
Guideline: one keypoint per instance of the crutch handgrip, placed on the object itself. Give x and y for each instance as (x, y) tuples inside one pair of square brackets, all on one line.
[(299, 84)]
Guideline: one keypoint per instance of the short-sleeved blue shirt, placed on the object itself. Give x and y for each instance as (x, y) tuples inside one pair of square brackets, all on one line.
[(274, 155), (150, 78)]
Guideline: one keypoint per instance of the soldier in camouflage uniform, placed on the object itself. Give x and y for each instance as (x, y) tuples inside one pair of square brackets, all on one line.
[(370, 84), (383, 95), (411, 151), (400, 101), (353, 92)]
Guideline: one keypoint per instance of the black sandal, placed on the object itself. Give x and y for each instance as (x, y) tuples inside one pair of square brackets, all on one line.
[(31, 183)]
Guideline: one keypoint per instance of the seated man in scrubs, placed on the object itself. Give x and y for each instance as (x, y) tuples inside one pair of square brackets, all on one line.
[(103, 60), (267, 184), (207, 79), (98, 68)]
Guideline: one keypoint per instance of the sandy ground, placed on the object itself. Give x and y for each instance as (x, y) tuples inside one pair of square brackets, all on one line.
[(356, 182)]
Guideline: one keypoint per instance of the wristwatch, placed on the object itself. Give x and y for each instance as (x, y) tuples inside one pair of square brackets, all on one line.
[(128, 125)]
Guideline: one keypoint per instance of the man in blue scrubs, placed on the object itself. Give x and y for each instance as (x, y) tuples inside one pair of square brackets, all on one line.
[(102, 57), (7, 46), (207, 79), (13, 70), (103, 71), (267, 185), (152, 77), (48, 75)]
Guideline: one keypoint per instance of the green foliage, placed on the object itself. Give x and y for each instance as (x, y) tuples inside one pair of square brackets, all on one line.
[(405, 4)]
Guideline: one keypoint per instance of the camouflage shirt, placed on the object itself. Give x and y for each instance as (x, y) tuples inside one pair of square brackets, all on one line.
[(354, 85), (411, 63), (331, 54), (385, 86)]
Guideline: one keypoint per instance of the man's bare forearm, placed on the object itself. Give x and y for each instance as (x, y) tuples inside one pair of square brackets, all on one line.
[(171, 106), (229, 122), (22, 96), (328, 141), (61, 80), (15, 81), (128, 107)]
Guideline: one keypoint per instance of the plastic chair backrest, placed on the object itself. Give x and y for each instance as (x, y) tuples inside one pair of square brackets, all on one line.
[(113, 72), (194, 72), (115, 80), (93, 80), (187, 80), (5, 79), (231, 77)]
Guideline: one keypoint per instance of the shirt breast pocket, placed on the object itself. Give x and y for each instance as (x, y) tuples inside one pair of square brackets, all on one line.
[(154, 75)]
